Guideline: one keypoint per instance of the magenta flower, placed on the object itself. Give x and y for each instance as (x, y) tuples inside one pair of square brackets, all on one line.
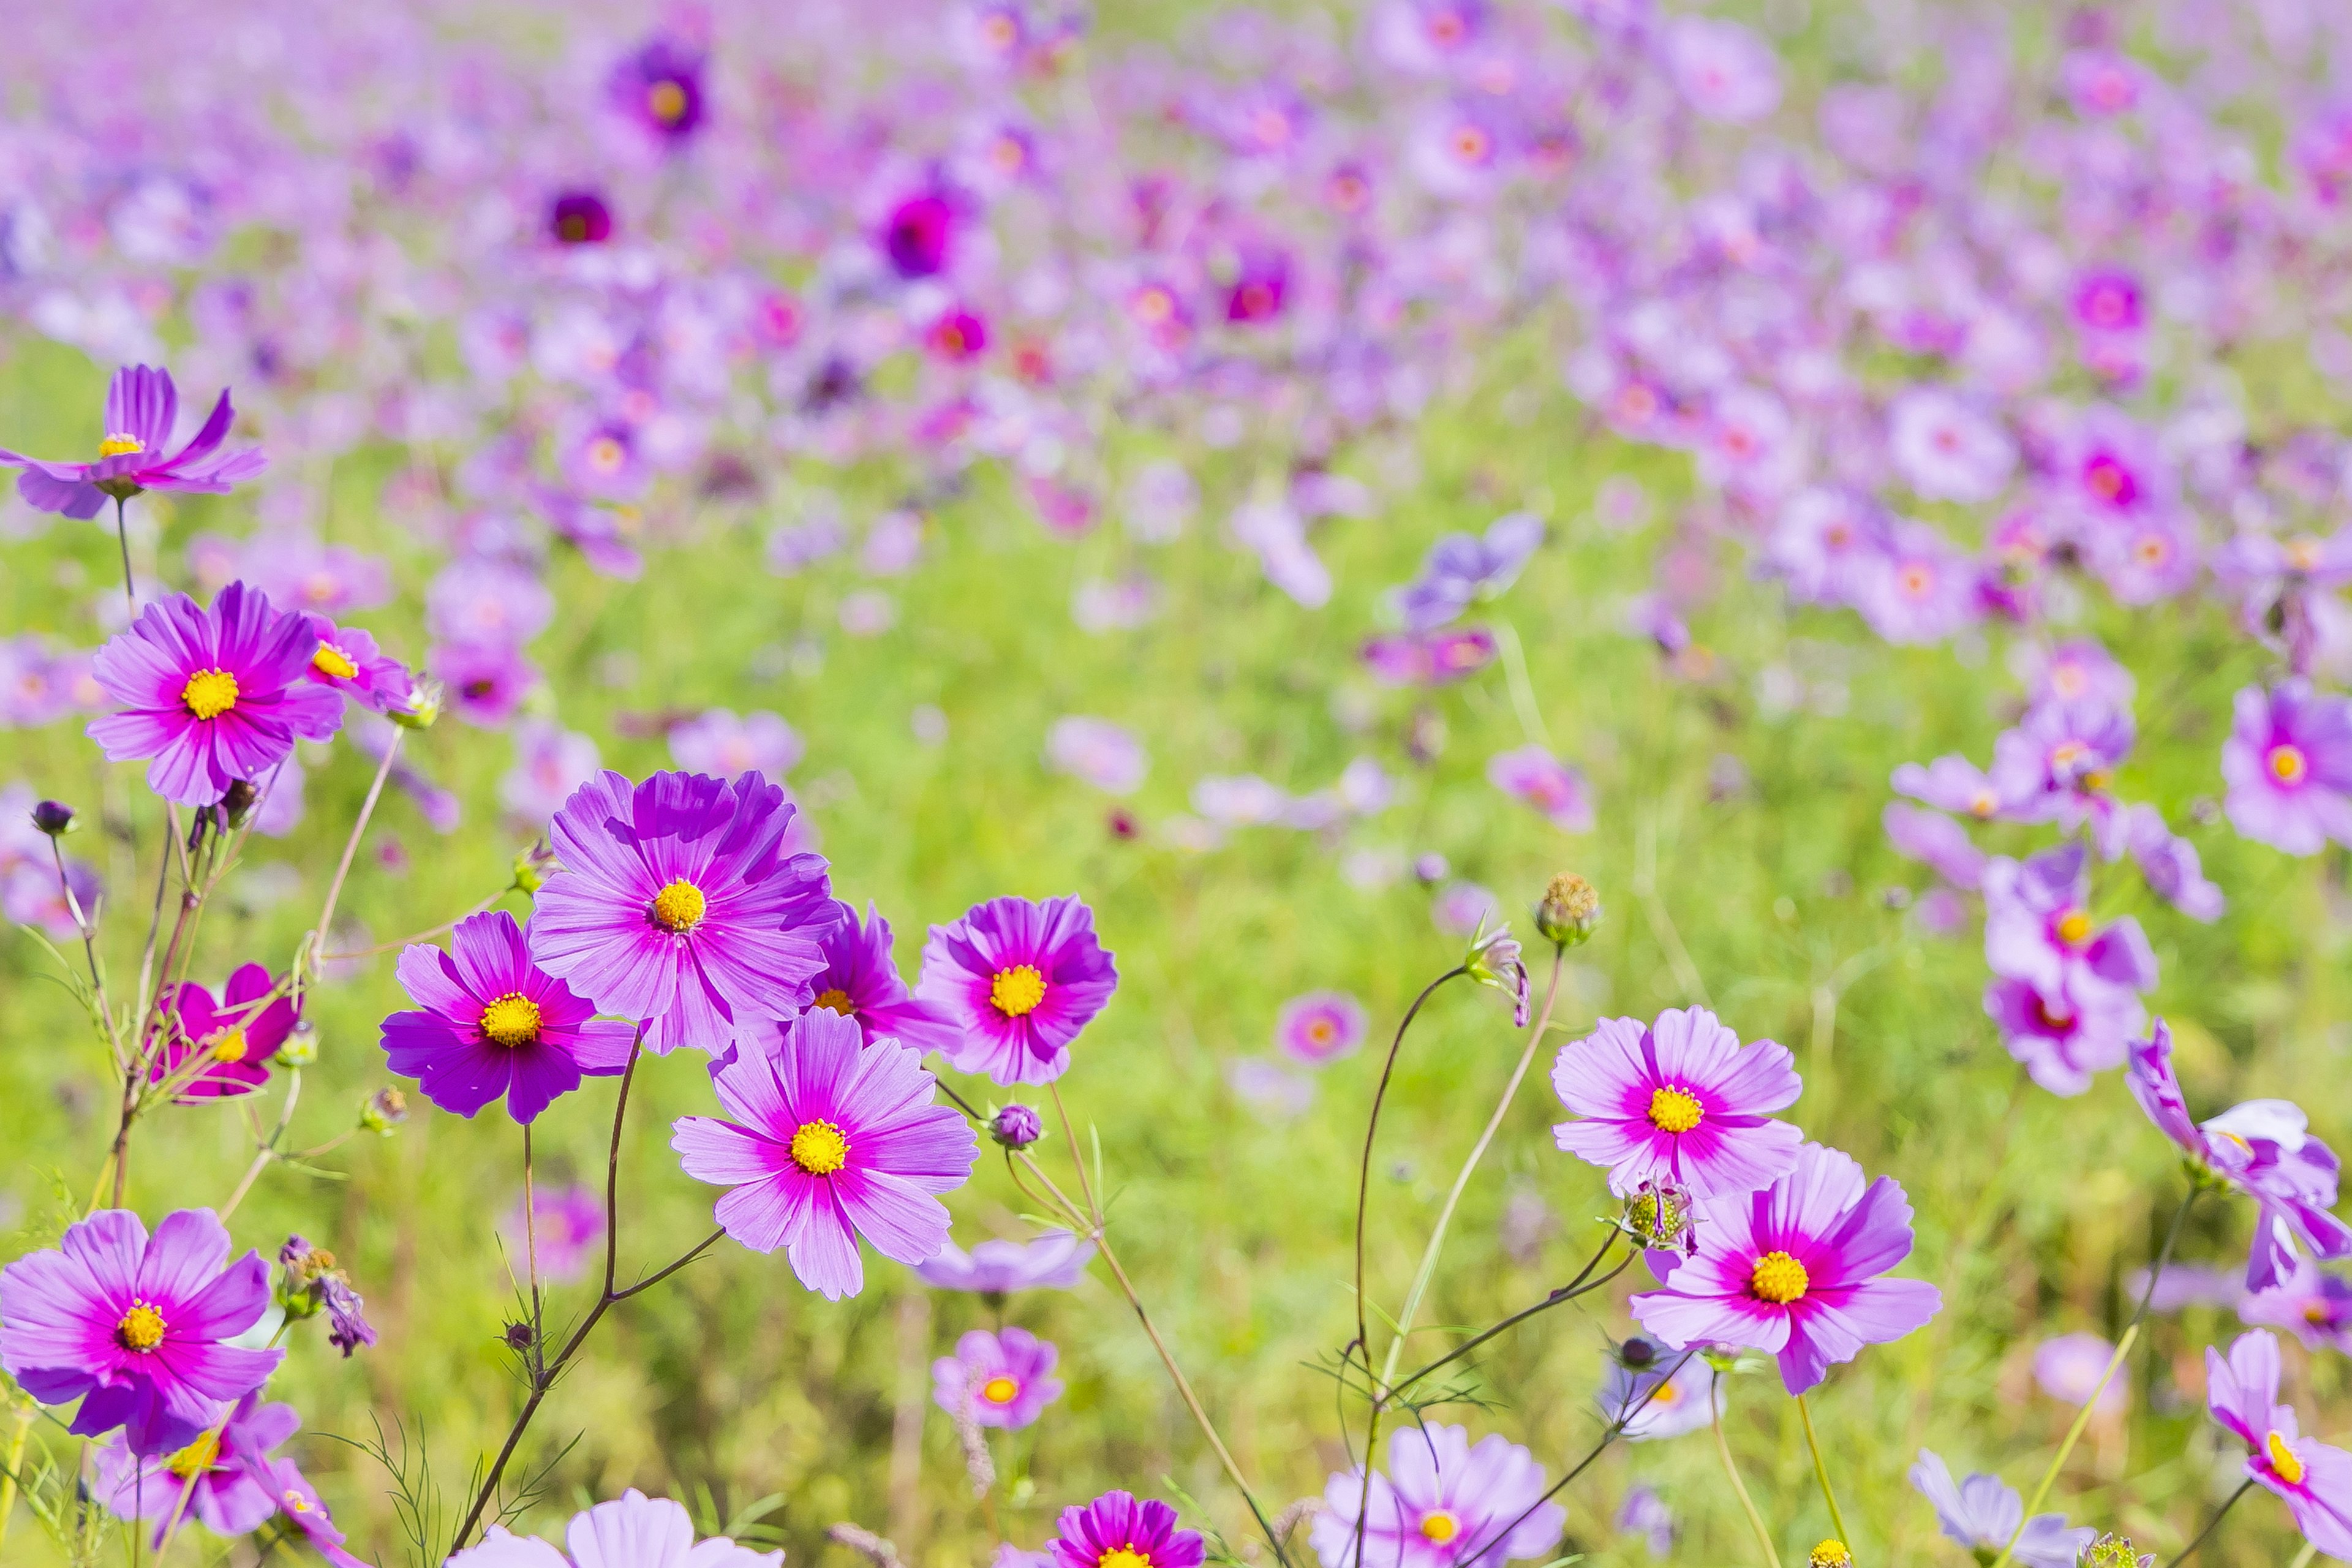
[(679, 906), (1116, 1530), (919, 236), (579, 217), (1680, 1103), (860, 982), (2261, 1148), (2288, 763), (633, 1531), (2313, 1306), (1795, 1271), (132, 1326), (235, 1035), (2060, 1039), (2038, 929), (299, 1503), (142, 406), (1429, 660), (493, 1023), (224, 1497), (659, 88), (211, 697), (1020, 979), (1319, 1027), (1004, 1379), (832, 1139), (1443, 1503), (717, 741), (569, 1222), (1531, 773), (2314, 1480), (348, 661), (1056, 1260)]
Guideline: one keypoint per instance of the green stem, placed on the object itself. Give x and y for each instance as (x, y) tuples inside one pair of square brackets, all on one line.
[(2243, 1488), (1523, 691), (1739, 1488), (15, 1464), (1822, 1474)]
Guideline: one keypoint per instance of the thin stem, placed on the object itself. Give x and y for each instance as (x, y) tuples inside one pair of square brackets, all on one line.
[(1077, 1155), (352, 845), (88, 948), (269, 1149), (1523, 692), (530, 1249), (1567, 1292), (2303, 1558), (658, 1275), (2183, 1555), (122, 537), (1738, 1487), (1822, 1474)]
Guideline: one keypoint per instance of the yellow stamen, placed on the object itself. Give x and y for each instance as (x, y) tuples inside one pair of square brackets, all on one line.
[(1124, 1557), (295, 1501), (1778, 1279), (1000, 1390), (2288, 764), (120, 446), (2075, 927), (229, 1046), (334, 662), (2283, 1463), (512, 1021), (1439, 1526), (819, 1148), (1830, 1554), (141, 1328), (678, 907), (1674, 1111), (1017, 990), (667, 100), (209, 693), (833, 999), (197, 1456)]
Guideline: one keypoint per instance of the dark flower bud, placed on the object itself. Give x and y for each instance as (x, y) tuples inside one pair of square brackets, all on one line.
[(1570, 911), (1637, 1352), (54, 818), (237, 805), (1016, 1127), (518, 1336), (386, 1110)]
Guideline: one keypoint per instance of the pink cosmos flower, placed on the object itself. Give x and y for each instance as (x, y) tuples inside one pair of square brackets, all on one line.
[(1956, 784), (1724, 71), (832, 1139), (1319, 1027), (1920, 589), (142, 407), (633, 1531), (1098, 753), (1056, 1260), (1934, 840), (1680, 1103), (1946, 449), (1659, 1401), (1531, 773), (2039, 928), (1444, 1503), (1021, 980), (349, 661), (2061, 1039), (298, 1502), (1795, 1271), (2288, 761), (717, 741), (224, 1497), (550, 761), (2069, 1367), (860, 982), (236, 1036), (132, 1326), (1003, 1379), (2078, 670), (2314, 1480), (1117, 1531), (211, 697), (569, 1222), (2314, 1306)]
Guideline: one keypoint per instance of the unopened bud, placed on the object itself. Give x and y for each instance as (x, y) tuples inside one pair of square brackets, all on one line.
[(386, 1110), (2113, 1550), (533, 867), (420, 708), (236, 806), (300, 1047), (1016, 1127), (54, 818), (1659, 1217), (1570, 911)]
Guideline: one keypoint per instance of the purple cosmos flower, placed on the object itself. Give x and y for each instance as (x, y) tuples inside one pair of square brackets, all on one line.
[(1955, 784), (1982, 1512), (1116, 1530), (860, 982), (2188, 1284), (1936, 841), (493, 1023), (487, 601), (1724, 71), (2038, 929), (1443, 1503), (132, 1326), (225, 1499), (1795, 1271), (2170, 865), (1098, 753), (1645, 1514), (2263, 1149), (1462, 570), (348, 661), (2314, 1480), (2062, 1038), (211, 697), (1056, 1260), (1531, 773), (717, 741), (295, 569), (1004, 1379), (313, 1284), (485, 682), (1436, 660), (1653, 1402), (1319, 1027), (659, 88), (919, 236), (2314, 1306), (2058, 762), (550, 761), (2288, 761), (1680, 1103), (142, 406), (235, 1035), (633, 1531), (1919, 589), (1825, 543), (2076, 671), (1946, 448), (1020, 979), (2069, 1369), (832, 1139), (579, 217), (2107, 299), (569, 1221), (300, 1502), (603, 462), (679, 906)]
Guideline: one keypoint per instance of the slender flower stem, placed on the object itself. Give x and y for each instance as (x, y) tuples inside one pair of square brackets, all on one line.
[(2123, 1349), (2303, 1558), (352, 845), (88, 948), (1523, 692), (269, 1149), (530, 1252), (1567, 1292), (122, 537), (15, 1464), (1738, 1487), (1822, 1473), (2199, 1540)]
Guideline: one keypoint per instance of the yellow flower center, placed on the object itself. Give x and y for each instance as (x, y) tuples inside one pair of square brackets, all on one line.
[(819, 1148), (666, 102), (1015, 992), (678, 907), (229, 1046), (512, 1021), (2075, 927), (141, 1328), (999, 1390), (1674, 1111), (2283, 1463), (197, 1456), (2316, 1312), (1126, 1556), (296, 1503), (1439, 1526), (605, 454), (1830, 1554), (334, 662), (1981, 803), (1778, 1279), (209, 693), (833, 999), (2288, 764), (120, 446)]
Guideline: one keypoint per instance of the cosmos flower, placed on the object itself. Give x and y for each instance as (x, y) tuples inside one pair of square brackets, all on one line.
[(210, 697), (1982, 1512), (1936, 841), (235, 1035), (298, 1502), (348, 661), (677, 906), (2058, 762), (659, 88), (1097, 753), (1021, 980), (1946, 448), (2039, 928), (485, 682), (491, 1023), (1003, 1379), (1435, 660), (1462, 570), (919, 236), (1921, 589), (579, 217), (1956, 784), (142, 407), (1680, 1101), (2169, 864), (1726, 72), (633, 1531), (2288, 763), (2072, 1368), (550, 761), (2314, 1306), (1054, 1260), (1319, 1027), (1656, 1401), (134, 1327), (1443, 1503), (717, 741), (831, 1138), (1116, 1530), (860, 982), (571, 1226), (1644, 1514), (1795, 1270), (2063, 1038), (224, 1497), (2312, 1478), (1531, 773)]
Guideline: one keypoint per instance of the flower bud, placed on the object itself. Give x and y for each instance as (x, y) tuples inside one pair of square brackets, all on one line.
[(386, 1110), (54, 818), (533, 867), (236, 806), (1493, 960), (300, 1047), (1637, 1354), (1829, 1554), (420, 708), (1015, 1127), (1659, 1217), (1570, 911), (2113, 1550)]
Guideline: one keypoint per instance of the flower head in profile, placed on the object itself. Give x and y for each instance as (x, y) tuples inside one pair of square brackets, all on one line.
[(211, 697), (1982, 1513), (1443, 1503), (2288, 763), (218, 1048), (860, 982), (1057, 1260), (1116, 1530), (1464, 569), (1319, 1027), (1679, 1102), (633, 1531), (659, 88), (1021, 980), (312, 1284), (2314, 1306), (1795, 1270), (2314, 1480), (679, 906), (132, 1326), (210, 1471), (1003, 1379), (348, 661), (828, 1139), (299, 1504), (489, 1021), (142, 407), (1532, 774)]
